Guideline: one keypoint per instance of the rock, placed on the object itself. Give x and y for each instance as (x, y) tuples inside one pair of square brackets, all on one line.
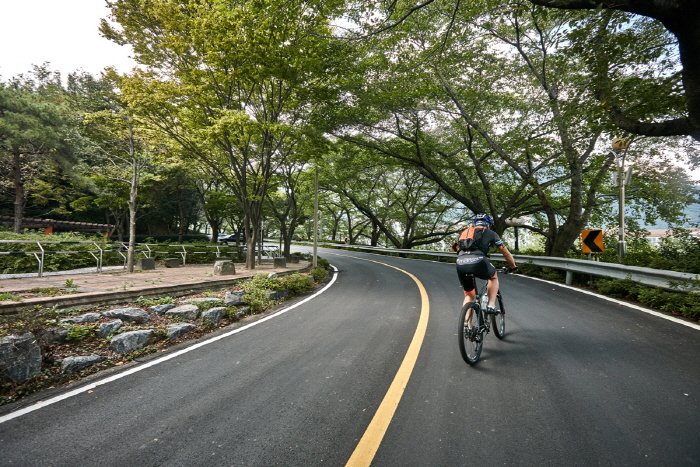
[(53, 336), (213, 315), (234, 298), (86, 318), (130, 341), (243, 312), (108, 328), (145, 264), (20, 357), (224, 268), (280, 262), (273, 275), (160, 310), (176, 330), (171, 262), (132, 315), (71, 364), (188, 312), (276, 295)]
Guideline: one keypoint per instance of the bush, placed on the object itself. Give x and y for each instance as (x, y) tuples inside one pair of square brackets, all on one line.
[(296, 283), (319, 273)]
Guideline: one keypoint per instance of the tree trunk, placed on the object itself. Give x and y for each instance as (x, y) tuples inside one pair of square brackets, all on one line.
[(19, 191), (181, 228)]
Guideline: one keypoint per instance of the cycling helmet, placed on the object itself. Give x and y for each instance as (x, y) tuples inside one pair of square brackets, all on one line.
[(483, 219)]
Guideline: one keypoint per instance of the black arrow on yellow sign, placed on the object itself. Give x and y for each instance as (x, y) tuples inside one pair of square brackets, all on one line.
[(592, 241)]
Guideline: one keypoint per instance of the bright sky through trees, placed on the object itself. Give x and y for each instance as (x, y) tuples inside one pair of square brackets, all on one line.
[(62, 32)]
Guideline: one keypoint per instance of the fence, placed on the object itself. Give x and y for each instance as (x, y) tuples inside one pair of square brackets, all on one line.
[(98, 252)]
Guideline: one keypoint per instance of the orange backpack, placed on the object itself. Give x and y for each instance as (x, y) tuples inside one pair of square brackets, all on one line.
[(470, 238)]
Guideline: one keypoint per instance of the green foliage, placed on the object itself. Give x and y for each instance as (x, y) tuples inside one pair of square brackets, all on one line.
[(79, 332), (686, 304), (9, 296), (319, 273), (204, 306), (230, 313), (154, 301), (296, 283)]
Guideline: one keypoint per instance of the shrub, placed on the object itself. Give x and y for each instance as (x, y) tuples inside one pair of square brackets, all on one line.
[(296, 283), (319, 273)]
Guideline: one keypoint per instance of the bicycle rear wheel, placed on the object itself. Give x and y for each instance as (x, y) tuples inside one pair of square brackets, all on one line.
[(470, 338), (499, 321)]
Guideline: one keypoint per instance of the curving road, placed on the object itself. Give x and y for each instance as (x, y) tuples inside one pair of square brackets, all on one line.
[(578, 380)]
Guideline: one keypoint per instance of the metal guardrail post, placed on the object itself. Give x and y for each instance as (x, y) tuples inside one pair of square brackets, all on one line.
[(41, 261)]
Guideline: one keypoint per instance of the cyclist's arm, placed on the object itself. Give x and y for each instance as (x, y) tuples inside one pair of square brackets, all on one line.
[(507, 256)]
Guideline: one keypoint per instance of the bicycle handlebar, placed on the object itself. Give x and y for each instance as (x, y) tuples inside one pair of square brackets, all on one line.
[(508, 270)]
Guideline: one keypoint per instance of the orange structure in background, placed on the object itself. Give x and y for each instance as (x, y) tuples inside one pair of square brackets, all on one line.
[(51, 225)]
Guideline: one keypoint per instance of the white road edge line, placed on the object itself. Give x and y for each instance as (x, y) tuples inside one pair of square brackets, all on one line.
[(75, 392), (619, 302)]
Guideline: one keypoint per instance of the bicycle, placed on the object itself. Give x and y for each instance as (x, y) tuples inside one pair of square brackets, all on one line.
[(471, 338)]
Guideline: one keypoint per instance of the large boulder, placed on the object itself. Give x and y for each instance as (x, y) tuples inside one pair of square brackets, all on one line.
[(20, 357), (130, 314), (188, 312), (71, 364), (130, 341), (224, 268)]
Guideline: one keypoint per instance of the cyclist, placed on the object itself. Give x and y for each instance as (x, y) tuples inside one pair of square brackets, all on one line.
[(474, 244)]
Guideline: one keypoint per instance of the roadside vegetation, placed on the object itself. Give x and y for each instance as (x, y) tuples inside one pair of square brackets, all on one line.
[(82, 338)]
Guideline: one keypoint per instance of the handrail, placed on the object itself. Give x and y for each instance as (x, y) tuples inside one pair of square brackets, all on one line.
[(668, 280), (123, 246)]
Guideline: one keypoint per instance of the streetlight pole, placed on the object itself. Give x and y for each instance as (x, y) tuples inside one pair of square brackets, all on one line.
[(315, 256), (619, 148)]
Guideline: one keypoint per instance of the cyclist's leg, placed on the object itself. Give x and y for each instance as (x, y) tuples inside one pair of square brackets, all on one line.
[(492, 289), (464, 271), (492, 284)]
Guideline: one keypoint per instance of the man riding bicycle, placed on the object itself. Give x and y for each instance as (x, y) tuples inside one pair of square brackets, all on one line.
[(474, 244)]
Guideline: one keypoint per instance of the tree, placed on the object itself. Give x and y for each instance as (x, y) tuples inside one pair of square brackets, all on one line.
[(231, 82), (33, 127), (682, 19), (403, 206), (119, 148), (289, 198)]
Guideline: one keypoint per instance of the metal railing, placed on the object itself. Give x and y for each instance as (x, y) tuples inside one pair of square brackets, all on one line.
[(98, 252), (668, 280)]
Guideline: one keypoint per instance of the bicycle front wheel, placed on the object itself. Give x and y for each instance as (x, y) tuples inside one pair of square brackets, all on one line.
[(471, 333), (499, 321)]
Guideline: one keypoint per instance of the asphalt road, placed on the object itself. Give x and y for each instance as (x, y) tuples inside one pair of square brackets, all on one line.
[(578, 380)]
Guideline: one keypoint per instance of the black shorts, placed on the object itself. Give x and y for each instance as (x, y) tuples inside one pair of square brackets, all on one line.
[(478, 265)]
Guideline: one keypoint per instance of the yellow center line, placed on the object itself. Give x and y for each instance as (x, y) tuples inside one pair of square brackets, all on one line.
[(368, 445)]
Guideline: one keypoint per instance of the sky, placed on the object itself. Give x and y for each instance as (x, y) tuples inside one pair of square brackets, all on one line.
[(62, 32)]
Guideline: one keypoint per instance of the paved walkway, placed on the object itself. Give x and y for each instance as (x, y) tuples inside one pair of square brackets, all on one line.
[(112, 286)]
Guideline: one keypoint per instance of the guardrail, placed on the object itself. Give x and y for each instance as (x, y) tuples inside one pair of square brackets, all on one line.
[(98, 252), (668, 280)]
